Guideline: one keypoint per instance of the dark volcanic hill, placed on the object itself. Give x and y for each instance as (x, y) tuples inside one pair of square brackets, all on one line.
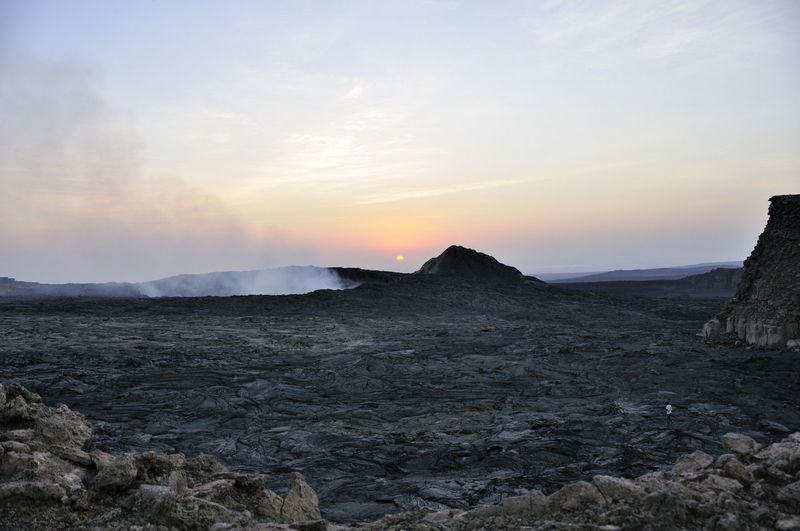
[(766, 308), (469, 264)]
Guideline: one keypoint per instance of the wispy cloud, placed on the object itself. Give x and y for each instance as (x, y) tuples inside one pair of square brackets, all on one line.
[(607, 33), (435, 191)]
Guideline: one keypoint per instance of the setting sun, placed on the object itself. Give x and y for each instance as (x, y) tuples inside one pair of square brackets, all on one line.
[(400, 258)]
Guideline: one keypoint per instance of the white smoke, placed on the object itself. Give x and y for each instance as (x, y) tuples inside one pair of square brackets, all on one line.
[(282, 281)]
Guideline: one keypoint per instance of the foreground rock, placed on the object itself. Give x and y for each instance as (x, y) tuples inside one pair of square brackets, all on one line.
[(751, 488), (766, 308), (50, 479)]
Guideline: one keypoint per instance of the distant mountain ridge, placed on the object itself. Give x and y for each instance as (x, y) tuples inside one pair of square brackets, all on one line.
[(455, 262), (720, 282), (659, 273)]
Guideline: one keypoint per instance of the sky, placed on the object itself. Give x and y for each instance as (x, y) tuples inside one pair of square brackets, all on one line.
[(140, 139)]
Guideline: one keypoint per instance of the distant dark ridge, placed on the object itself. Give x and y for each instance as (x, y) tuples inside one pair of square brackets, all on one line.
[(469, 264), (658, 289), (356, 275), (719, 283), (12, 288), (766, 308), (659, 273), (718, 278)]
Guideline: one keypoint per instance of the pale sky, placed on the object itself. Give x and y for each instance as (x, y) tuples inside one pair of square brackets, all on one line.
[(140, 139)]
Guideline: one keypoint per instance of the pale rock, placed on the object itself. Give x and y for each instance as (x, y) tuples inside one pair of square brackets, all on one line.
[(784, 456), (269, 505), (721, 483), (155, 467), (72, 482), (576, 496), (670, 501), (15, 408), (713, 329), (735, 469), (740, 444), (15, 446), (652, 481), (154, 501), (177, 482), (617, 489), (692, 463), (114, 472), (193, 512), (15, 464), (529, 504), (728, 522), (790, 496), (109, 516), (33, 490), (788, 524), (76, 455), (300, 503), (213, 489), (757, 489), (23, 435), (65, 432), (443, 518)]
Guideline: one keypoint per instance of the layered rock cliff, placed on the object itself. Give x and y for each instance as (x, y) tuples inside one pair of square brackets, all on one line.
[(765, 311)]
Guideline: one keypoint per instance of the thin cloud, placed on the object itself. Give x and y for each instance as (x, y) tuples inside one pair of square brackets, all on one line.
[(434, 192), (603, 34)]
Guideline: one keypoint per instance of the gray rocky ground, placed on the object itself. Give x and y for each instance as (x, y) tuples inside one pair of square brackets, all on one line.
[(51, 479), (408, 392), (747, 487)]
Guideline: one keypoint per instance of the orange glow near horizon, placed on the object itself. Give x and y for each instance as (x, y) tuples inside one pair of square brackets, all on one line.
[(586, 146)]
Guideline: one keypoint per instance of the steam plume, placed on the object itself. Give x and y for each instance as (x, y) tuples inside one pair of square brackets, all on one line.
[(282, 281)]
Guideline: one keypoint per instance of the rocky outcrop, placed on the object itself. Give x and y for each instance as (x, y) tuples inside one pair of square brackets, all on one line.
[(50, 478), (468, 264), (765, 311), (749, 488)]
